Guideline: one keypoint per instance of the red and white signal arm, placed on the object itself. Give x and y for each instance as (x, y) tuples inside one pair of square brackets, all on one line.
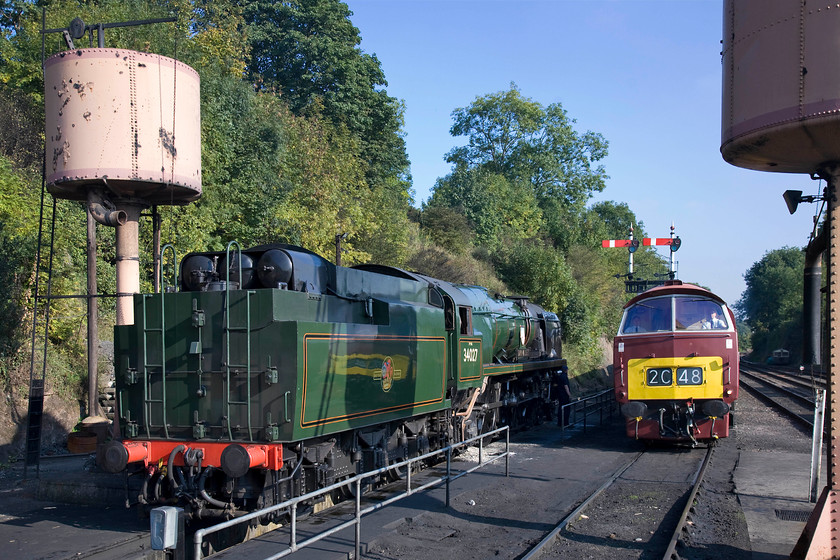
[(631, 244), (674, 242), (616, 242)]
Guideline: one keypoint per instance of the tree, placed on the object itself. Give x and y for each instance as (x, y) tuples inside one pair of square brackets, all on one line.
[(772, 303), (520, 139), (448, 228), (497, 208), (522, 180), (535, 269), (308, 51), (615, 220)]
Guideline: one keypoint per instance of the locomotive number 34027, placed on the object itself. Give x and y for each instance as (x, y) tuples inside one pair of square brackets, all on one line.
[(470, 354)]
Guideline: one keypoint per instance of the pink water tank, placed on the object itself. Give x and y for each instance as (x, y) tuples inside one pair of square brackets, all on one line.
[(124, 120)]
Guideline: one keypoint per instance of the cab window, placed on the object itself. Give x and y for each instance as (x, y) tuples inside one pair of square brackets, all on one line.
[(465, 314), (695, 314), (652, 315)]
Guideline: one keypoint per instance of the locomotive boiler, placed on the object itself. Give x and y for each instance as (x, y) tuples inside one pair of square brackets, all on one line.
[(269, 372), (675, 364)]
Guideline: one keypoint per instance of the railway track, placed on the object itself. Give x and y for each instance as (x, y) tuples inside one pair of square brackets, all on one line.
[(573, 527), (788, 376), (790, 396)]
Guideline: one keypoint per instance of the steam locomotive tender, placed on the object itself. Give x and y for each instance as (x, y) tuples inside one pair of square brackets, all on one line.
[(675, 364), (271, 372)]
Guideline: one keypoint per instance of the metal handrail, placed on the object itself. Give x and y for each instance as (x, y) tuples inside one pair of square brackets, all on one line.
[(292, 503), (590, 404), (148, 401), (174, 267)]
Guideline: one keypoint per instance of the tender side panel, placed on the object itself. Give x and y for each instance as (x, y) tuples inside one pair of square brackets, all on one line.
[(352, 380)]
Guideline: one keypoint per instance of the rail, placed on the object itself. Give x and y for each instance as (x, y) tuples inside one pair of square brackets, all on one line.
[(580, 410), (549, 539), (357, 481)]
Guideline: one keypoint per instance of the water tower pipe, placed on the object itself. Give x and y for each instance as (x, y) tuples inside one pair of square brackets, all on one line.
[(128, 262), (92, 320), (103, 210), (811, 298)]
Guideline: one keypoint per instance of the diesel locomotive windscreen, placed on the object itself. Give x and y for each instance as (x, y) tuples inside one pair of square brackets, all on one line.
[(689, 313)]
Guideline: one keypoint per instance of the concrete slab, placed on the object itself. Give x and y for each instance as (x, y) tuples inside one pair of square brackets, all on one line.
[(773, 489)]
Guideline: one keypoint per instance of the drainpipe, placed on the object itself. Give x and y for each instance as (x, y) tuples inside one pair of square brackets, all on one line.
[(811, 300)]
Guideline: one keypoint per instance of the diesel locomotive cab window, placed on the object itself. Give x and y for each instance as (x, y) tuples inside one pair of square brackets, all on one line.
[(653, 315), (695, 314)]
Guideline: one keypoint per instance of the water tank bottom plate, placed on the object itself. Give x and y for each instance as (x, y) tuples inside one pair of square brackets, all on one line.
[(151, 192), (802, 146)]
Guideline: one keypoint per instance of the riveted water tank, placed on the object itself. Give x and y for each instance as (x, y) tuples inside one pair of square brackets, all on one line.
[(123, 119), (781, 84)]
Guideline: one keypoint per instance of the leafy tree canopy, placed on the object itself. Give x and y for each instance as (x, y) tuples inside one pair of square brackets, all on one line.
[(207, 37), (518, 138), (497, 208), (772, 303), (308, 51)]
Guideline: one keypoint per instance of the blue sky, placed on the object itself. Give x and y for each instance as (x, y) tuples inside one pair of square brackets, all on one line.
[(644, 73)]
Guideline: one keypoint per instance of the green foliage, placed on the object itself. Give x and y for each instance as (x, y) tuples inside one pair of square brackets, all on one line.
[(15, 259), (521, 184), (309, 52), (771, 305), (458, 268), (744, 336), (535, 269), (612, 220), (497, 208), (447, 228), (206, 36), (22, 124), (518, 138)]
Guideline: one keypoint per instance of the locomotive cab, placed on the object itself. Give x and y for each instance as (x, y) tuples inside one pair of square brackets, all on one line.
[(676, 364)]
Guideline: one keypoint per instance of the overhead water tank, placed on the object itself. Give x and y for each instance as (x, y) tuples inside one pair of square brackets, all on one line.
[(125, 120), (781, 84)]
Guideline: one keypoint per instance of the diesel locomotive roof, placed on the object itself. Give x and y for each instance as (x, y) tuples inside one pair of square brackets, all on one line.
[(674, 287)]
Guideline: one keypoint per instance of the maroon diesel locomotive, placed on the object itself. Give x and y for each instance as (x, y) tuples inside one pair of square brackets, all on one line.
[(675, 364)]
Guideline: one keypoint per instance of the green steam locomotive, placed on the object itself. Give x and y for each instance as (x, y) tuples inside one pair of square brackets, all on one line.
[(270, 372)]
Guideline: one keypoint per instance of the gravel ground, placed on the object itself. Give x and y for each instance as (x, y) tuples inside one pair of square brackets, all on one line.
[(627, 521), (506, 516), (719, 529)]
